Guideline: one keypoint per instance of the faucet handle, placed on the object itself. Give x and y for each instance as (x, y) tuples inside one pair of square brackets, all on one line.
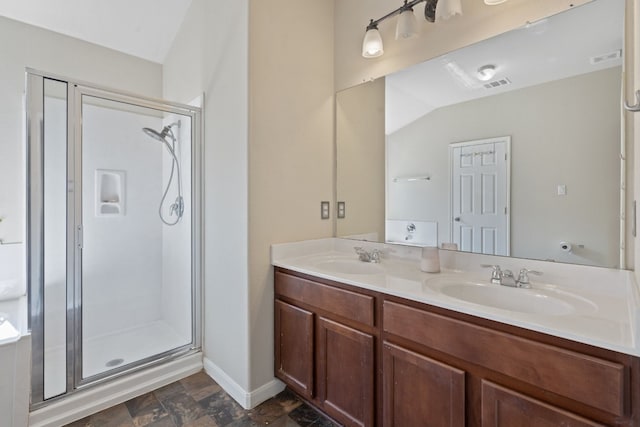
[(523, 277), (496, 273)]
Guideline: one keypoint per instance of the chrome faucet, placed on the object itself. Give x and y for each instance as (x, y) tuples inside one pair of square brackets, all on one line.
[(507, 278), (366, 256)]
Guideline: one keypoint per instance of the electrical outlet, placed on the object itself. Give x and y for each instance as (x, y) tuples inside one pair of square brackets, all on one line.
[(341, 210), (324, 210)]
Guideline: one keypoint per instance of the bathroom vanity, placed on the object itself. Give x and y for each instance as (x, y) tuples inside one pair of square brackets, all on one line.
[(382, 344)]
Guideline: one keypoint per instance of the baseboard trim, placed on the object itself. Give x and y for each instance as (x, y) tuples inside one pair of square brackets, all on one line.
[(265, 392), (248, 400), (95, 399)]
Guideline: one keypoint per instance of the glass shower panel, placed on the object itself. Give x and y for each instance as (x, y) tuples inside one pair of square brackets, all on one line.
[(136, 228), (55, 237)]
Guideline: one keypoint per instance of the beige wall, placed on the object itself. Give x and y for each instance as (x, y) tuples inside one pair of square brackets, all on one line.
[(478, 22), (28, 46), (360, 159), (563, 132), (290, 146)]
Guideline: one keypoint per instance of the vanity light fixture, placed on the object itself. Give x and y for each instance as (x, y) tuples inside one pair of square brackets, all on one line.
[(407, 26), (486, 72)]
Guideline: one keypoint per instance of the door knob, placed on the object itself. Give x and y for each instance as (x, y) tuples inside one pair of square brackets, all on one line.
[(457, 219)]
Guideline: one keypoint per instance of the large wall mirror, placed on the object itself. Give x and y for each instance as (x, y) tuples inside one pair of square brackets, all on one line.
[(511, 146)]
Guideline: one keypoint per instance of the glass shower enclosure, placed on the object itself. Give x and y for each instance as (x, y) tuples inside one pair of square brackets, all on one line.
[(113, 233)]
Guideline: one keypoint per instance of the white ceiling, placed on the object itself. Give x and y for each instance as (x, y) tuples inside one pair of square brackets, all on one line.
[(143, 28), (557, 47)]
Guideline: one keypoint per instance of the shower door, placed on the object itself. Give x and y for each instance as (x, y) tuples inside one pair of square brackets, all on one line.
[(114, 225)]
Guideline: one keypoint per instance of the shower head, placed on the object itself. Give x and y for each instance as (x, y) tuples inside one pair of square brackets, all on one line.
[(155, 134), (160, 136)]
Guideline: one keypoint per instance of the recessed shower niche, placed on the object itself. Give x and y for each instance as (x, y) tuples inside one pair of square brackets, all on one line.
[(110, 188)]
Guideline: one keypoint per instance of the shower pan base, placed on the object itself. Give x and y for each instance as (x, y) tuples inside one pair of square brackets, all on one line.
[(129, 345)]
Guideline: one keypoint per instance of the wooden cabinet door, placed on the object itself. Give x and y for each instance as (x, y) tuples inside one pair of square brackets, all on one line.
[(294, 347), (502, 407), (346, 373), (419, 391)]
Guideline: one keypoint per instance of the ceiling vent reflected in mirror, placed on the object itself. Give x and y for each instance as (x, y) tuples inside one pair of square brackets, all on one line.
[(497, 83)]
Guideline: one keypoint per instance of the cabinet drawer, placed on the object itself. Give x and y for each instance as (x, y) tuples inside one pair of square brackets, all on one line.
[(590, 380), (343, 303)]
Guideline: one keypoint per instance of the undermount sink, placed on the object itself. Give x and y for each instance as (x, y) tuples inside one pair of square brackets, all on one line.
[(349, 266), (544, 301)]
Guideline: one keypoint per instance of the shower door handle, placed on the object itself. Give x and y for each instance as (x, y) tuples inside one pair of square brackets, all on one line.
[(79, 236)]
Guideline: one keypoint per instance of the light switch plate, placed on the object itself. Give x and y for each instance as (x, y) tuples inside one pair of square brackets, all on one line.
[(324, 210), (341, 210)]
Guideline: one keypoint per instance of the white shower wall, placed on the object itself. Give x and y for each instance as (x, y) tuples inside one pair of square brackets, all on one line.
[(122, 255), (135, 269)]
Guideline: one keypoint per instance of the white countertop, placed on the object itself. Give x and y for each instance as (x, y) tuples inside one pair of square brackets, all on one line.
[(609, 319)]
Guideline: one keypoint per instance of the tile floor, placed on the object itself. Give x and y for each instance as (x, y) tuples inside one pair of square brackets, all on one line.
[(197, 401)]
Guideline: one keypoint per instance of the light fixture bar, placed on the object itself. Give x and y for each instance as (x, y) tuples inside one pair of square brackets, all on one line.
[(406, 6), (372, 45), (406, 27)]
